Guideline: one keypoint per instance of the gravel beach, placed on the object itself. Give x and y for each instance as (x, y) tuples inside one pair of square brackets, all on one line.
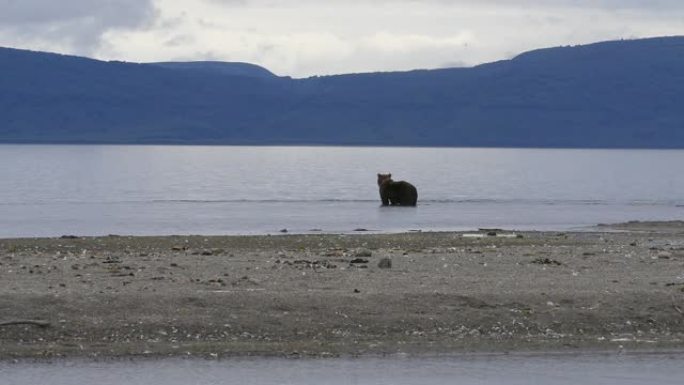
[(618, 287)]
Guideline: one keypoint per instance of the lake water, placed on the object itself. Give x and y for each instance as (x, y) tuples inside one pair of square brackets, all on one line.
[(589, 369), (161, 190)]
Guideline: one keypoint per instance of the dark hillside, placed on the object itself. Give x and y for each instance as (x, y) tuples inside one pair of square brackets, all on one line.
[(613, 94)]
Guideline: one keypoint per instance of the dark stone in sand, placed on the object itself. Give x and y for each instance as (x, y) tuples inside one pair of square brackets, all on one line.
[(69, 237), (358, 260), (546, 261), (385, 263)]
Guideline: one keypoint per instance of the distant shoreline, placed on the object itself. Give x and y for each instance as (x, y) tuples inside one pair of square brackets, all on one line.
[(322, 144), (325, 295)]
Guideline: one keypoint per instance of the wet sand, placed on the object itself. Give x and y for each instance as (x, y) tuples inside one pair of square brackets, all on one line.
[(619, 287)]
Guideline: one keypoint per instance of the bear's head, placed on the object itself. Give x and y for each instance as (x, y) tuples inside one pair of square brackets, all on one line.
[(382, 178)]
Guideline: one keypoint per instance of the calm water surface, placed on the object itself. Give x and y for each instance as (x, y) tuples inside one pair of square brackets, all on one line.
[(97, 190), (654, 369)]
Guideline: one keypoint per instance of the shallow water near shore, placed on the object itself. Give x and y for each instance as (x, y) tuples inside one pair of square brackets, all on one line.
[(162, 190), (550, 369)]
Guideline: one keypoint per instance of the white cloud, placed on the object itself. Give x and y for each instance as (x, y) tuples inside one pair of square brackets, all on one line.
[(308, 37), (548, 4), (407, 43)]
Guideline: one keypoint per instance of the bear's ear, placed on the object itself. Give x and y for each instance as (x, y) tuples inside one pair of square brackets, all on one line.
[(379, 175)]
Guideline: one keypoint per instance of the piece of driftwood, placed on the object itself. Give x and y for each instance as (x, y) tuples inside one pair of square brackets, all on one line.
[(677, 309), (39, 323)]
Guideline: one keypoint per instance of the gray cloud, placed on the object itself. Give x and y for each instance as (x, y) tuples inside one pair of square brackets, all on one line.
[(110, 13), (77, 24)]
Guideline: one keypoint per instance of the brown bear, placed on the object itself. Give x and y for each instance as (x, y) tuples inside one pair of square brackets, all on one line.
[(396, 193)]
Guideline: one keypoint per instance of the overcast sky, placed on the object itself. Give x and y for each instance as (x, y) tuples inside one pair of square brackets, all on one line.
[(317, 37)]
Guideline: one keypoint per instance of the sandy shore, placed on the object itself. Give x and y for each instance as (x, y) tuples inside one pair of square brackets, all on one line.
[(328, 295)]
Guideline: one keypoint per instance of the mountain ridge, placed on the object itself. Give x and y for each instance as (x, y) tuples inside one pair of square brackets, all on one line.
[(619, 94), (219, 67)]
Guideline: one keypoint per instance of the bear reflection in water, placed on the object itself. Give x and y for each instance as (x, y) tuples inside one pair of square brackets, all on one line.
[(396, 193)]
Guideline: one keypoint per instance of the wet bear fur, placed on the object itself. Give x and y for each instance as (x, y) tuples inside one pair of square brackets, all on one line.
[(399, 193)]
